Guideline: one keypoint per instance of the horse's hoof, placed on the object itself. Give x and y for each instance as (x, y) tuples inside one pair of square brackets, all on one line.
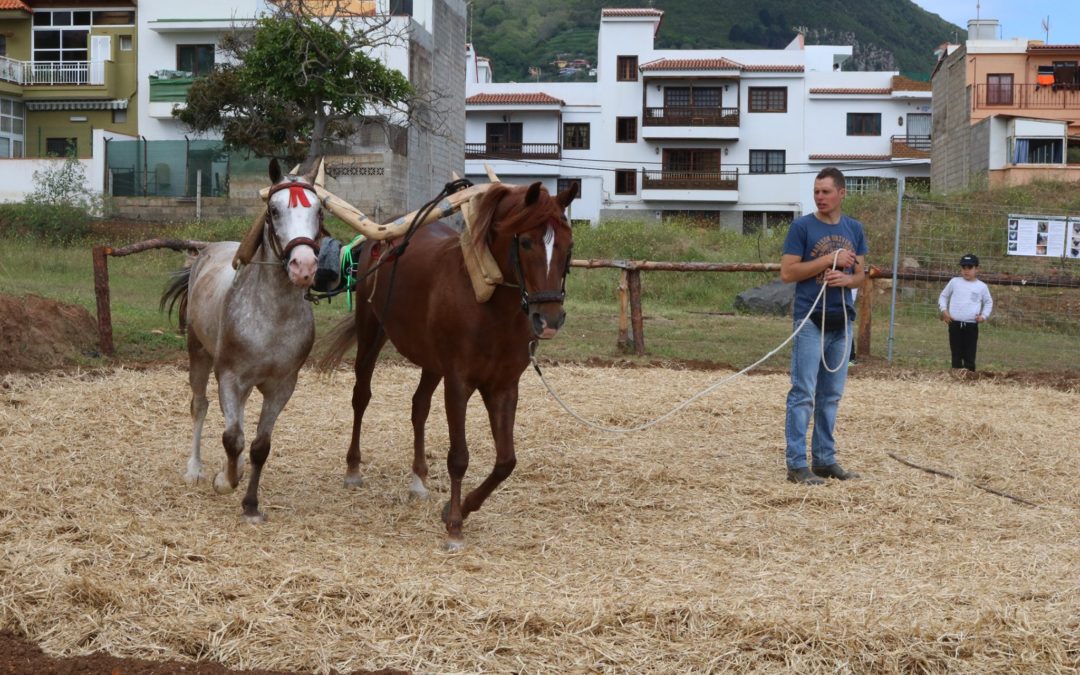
[(221, 484), (417, 488), (454, 545), (257, 518), (193, 479), (353, 480)]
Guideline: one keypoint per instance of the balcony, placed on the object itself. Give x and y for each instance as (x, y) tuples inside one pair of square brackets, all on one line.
[(667, 185), (688, 122), (512, 151), (915, 147), (64, 73), (1027, 97)]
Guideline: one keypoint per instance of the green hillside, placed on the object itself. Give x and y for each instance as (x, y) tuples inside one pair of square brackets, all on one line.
[(886, 34)]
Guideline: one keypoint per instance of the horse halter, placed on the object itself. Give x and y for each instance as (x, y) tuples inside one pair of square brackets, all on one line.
[(297, 197), (538, 297)]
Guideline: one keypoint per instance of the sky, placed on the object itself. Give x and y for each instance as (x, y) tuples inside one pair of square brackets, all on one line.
[(1018, 18)]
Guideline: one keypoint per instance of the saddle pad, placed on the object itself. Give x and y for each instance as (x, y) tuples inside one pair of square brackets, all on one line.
[(484, 272)]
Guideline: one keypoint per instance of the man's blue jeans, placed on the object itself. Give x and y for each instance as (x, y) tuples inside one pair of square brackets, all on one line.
[(814, 390)]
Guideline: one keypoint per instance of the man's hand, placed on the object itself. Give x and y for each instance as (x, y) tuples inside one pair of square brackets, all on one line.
[(980, 318), (844, 259), (945, 316), (836, 278)]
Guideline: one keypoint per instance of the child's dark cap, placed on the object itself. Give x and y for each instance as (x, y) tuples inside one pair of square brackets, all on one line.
[(970, 259)]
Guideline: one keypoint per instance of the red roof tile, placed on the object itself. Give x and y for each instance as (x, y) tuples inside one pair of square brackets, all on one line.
[(15, 4), (692, 64), (1032, 47), (852, 157), (630, 11), (841, 90), (539, 98), (717, 64)]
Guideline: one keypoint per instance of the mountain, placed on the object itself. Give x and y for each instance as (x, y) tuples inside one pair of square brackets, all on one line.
[(886, 34)]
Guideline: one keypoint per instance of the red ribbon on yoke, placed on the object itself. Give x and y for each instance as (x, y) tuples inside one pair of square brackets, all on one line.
[(298, 194)]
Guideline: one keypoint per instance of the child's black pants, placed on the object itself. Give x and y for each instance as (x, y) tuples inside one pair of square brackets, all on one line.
[(963, 340)]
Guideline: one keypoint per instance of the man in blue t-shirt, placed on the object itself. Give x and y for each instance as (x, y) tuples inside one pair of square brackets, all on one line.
[(822, 248)]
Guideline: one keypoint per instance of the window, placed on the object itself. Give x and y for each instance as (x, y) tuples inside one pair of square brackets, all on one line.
[(63, 35), (195, 59), (626, 69), (504, 138), (767, 161), (565, 183), (1038, 151), (855, 184), (691, 160), (576, 136), (692, 97), (625, 129), (768, 99), (125, 43), (625, 182), (60, 147), (999, 89), (11, 128), (864, 124), (119, 116), (3, 45)]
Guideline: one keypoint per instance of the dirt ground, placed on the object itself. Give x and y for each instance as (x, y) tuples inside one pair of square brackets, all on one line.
[(39, 334)]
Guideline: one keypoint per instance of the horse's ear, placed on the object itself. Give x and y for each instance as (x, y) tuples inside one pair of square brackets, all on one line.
[(275, 171), (566, 196), (533, 194)]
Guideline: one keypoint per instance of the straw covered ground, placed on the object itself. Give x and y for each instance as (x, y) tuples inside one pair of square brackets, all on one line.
[(680, 548)]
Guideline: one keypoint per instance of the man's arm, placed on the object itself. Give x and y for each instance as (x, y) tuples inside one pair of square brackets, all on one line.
[(792, 267)]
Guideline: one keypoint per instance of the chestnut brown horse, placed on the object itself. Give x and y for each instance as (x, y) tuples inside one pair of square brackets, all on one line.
[(251, 326), (424, 303)]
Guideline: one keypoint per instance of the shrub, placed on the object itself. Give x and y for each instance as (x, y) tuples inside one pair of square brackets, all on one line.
[(60, 207)]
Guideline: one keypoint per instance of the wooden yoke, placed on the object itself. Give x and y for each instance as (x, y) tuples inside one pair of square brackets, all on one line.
[(483, 270)]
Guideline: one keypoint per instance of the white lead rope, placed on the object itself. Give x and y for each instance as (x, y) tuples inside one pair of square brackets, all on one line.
[(711, 387)]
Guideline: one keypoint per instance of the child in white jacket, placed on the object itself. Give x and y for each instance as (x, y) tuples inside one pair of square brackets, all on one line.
[(964, 304)]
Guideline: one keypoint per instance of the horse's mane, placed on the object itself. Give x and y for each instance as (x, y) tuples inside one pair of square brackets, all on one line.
[(499, 201)]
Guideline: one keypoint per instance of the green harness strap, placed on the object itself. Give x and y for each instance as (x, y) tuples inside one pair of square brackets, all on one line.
[(348, 267)]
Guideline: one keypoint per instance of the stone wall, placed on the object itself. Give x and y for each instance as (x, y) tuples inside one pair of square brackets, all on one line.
[(174, 210), (950, 165)]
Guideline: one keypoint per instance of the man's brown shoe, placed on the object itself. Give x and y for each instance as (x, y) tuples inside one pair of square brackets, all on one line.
[(834, 471), (803, 476)]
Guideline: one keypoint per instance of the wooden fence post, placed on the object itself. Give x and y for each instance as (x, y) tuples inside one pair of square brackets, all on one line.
[(636, 322), (866, 303), (101, 293), (623, 341)]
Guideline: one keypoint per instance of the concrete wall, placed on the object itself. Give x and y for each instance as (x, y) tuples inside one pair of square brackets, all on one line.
[(950, 166)]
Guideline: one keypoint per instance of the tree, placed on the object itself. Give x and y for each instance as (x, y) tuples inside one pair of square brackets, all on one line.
[(298, 80)]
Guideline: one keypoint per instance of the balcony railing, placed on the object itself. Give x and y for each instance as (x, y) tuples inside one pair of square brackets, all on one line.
[(52, 72), (512, 151), (690, 180), (1027, 96), (911, 146), (689, 116)]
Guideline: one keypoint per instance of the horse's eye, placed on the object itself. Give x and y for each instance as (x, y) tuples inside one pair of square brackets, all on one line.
[(526, 243)]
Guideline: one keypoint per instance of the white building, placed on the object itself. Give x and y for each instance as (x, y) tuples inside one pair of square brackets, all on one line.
[(733, 137)]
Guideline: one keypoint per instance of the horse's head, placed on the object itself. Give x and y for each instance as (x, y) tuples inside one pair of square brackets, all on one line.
[(527, 228), (294, 224)]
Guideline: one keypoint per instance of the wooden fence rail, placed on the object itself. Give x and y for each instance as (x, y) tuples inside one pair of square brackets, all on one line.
[(631, 332)]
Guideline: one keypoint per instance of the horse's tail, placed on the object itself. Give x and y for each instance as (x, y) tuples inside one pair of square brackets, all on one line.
[(335, 343), (177, 291)]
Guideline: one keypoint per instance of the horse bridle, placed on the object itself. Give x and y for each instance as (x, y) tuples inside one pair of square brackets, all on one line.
[(539, 297), (297, 197)]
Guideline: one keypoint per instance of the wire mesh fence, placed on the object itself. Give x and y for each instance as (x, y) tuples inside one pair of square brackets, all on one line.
[(1029, 257)]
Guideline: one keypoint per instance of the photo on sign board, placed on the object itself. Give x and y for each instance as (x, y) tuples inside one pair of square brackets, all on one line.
[(1043, 227), (1040, 249), (1013, 224), (1012, 245)]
